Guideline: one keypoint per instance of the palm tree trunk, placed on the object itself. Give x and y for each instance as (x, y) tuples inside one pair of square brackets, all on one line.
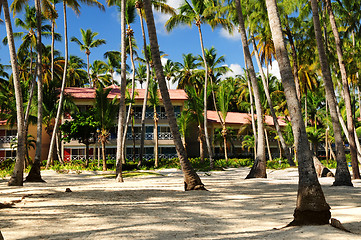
[(201, 143), (61, 100), (342, 177), (123, 86), (224, 134), (253, 122), (132, 97), (52, 44), (270, 104), (205, 124), (88, 66), (142, 138), (191, 178), (346, 93), (268, 147), (35, 174), (311, 207), (103, 153), (156, 151), (258, 169), (18, 173)]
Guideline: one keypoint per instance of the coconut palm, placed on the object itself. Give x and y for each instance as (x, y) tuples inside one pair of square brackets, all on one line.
[(105, 113), (187, 75), (75, 74), (86, 43), (198, 12), (113, 64), (17, 175), (191, 179), (183, 123), (170, 70), (141, 74), (75, 6), (342, 176), (346, 93), (258, 169), (99, 74), (224, 94), (311, 207)]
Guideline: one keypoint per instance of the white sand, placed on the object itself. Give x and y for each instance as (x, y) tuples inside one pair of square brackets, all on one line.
[(156, 207)]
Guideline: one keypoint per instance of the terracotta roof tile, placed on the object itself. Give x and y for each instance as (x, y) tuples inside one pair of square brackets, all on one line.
[(89, 93), (241, 118)]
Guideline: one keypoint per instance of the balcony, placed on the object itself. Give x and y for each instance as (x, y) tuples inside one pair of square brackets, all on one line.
[(165, 136), (137, 136), (7, 139)]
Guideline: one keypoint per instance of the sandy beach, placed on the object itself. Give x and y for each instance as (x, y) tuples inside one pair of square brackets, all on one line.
[(156, 207)]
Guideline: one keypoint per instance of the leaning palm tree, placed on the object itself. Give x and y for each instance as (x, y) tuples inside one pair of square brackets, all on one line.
[(258, 169), (198, 12), (17, 175), (311, 207), (75, 6), (87, 43), (191, 178), (342, 176)]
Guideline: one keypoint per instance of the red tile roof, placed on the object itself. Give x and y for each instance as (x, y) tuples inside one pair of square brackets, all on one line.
[(241, 118), (89, 93)]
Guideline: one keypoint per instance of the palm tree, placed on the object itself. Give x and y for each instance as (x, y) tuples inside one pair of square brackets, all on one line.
[(187, 75), (87, 43), (224, 94), (259, 167), (170, 70), (99, 74), (311, 207), (342, 177), (17, 175), (75, 72), (113, 62), (153, 101), (199, 12), (141, 74), (346, 94), (191, 179), (183, 123), (105, 114), (194, 106), (75, 6), (270, 104)]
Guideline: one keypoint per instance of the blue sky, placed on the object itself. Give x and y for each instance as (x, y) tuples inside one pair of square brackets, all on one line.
[(181, 40)]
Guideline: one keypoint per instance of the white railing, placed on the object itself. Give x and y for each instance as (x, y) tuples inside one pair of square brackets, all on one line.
[(145, 156), (165, 136), (78, 157), (162, 115), (137, 136), (150, 115), (168, 156), (7, 139)]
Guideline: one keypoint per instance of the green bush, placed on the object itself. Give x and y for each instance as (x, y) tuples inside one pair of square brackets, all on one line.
[(277, 163)]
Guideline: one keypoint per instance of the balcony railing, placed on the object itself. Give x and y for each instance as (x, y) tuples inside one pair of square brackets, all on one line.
[(7, 139), (167, 156), (77, 157), (149, 115), (145, 156), (165, 136), (137, 136)]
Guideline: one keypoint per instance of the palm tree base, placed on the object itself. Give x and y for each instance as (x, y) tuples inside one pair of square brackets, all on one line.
[(188, 187), (34, 174), (15, 182), (309, 217), (346, 182), (257, 171)]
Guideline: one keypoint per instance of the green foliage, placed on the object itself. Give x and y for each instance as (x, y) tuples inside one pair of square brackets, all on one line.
[(82, 128), (278, 163), (6, 168)]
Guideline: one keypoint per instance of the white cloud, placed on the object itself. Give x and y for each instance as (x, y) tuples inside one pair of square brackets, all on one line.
[(161, 18), (236, 36), (236, 70), (274, 69)]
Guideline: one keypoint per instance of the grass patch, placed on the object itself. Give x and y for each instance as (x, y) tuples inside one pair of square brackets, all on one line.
[(134, 174)]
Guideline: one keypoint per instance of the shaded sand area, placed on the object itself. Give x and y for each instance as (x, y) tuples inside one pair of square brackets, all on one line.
[(156, 207)]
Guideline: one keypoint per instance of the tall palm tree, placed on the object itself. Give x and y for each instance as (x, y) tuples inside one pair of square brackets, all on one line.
[(75, 6), (141, 74), (191, 178), (311, 207), (153, 101), (224, 94), (75, 73), (17, 175), (86, 43), (113, 62), (270, 104), (342, 177), (198, 12), (346, 94), (258, 169), (105, 114), (99, 74)]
